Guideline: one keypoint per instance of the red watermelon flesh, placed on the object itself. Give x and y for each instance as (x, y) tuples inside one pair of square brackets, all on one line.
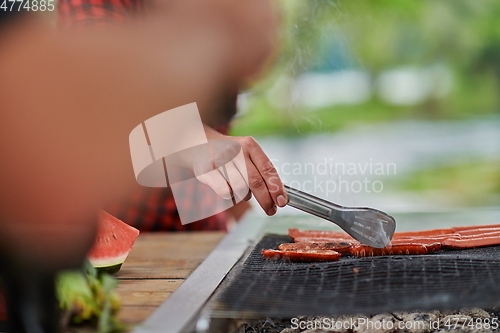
[(113, 242)]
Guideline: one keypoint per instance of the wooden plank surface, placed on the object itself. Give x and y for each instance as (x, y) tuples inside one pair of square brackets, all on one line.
[(157, 266), (168, 255)]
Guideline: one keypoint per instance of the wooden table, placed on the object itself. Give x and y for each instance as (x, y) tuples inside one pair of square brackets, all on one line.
[(156, 266)]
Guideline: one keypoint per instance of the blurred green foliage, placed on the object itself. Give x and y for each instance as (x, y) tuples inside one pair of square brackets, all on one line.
[(378, 35), (262, 120), (471, 184), (89, 299)]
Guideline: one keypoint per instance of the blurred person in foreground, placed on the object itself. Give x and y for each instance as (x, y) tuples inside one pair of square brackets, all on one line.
[(68, 102), (153, 208)]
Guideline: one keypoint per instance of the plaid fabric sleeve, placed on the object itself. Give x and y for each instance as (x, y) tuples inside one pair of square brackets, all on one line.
[(154, 209), (75, 13)]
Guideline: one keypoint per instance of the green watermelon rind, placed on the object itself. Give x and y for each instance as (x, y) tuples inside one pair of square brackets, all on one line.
[(109, 269), (115, 258), (110, 261)]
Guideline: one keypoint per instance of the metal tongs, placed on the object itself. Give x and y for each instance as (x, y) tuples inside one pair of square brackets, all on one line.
[(369, 226)]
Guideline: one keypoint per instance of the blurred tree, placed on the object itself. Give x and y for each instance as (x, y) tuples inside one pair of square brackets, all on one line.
[(377, 35), (388, 33)]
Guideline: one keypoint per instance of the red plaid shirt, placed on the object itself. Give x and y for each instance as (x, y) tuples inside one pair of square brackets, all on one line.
[(96, 12), (148, 209)]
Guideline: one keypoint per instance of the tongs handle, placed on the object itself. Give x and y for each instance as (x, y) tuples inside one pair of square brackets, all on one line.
[(309, 203)]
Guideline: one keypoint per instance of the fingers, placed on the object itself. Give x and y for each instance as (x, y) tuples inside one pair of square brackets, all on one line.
[(236, 181), (259, 190), (248, 197), (251, 169), (241, 165), (263, 179), (228, 182), (217, 182)]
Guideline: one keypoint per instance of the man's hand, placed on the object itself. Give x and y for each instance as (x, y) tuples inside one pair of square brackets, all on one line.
[(261, 175)]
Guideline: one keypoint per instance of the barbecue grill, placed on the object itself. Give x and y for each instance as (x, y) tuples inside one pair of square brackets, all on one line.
[(439, 281), (236, 282)]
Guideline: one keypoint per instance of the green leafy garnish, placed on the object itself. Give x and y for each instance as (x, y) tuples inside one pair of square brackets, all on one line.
[(89, 298)]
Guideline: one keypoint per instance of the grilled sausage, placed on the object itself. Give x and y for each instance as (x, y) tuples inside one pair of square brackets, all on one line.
[(395, 240), (394, 249), (326, 234), (325, 240), (476, 227), (341, 247), (414, 242), (427, 236), (477, 232), (433, 232), (469, 241), (420, 240), (297, 255)]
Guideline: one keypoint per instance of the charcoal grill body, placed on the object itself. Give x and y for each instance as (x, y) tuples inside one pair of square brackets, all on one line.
[(236, 282)]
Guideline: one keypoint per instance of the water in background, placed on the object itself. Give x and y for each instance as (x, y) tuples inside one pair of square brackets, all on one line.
[(355, 166)]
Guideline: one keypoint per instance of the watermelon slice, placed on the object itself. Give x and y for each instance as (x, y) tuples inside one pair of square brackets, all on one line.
[(113, 243)]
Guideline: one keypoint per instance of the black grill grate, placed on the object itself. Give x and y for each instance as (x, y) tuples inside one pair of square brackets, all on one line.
[(440, 281)]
